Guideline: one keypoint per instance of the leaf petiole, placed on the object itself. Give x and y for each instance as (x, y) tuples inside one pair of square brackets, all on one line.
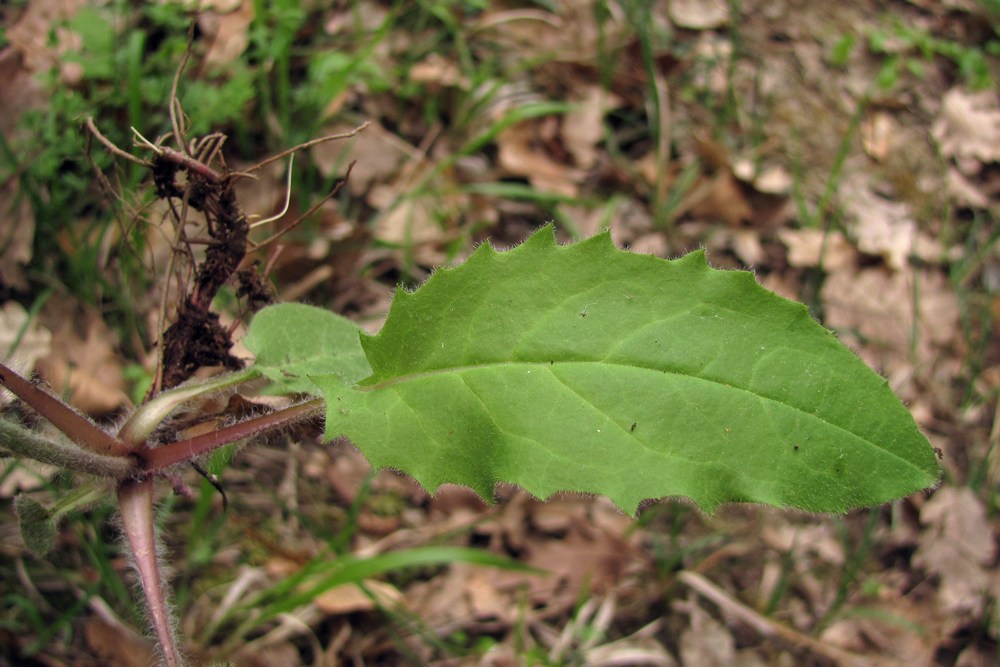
[(80, 430), (151, 414), (155, 460)]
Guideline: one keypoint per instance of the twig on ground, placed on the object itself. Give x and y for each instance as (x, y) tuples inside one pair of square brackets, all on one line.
[(763, 625)]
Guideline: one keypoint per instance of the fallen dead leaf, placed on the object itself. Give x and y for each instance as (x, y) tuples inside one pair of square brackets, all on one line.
[(16, 240), (782, 284), (485, 600), (706, 642), (346, 474), (225, 25), (350, 598), (220, 6), (280, 653), (31, 35), (699, 14), (83, 360), (113, 641), (735, 190), (889, 635), (406, 224), (521, 155), (720, 198), (774, 180), (650, 244), (24, 475), (437, 71), (820, 540), (583, 222), (365, 14), (556, 518), (977, 656), (570, 34), (877, 134), (893, 323), (638, 649), (747, 246), (964, 191), (969, 126), (378, 154), (470, 594), (881, 227), (583, 127), (22, 92), (809, 248), (577, 559), (33, 340), (957, 545)]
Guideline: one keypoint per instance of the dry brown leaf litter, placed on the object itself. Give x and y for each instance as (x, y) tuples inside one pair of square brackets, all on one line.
[(85, 365), (886, 291)]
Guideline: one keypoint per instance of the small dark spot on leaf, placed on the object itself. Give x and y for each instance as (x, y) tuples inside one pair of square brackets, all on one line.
[(632, 428), (795, 447)]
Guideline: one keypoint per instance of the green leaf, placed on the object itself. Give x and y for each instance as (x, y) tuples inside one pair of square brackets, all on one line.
[(292, 341), (38, 524), (841, 52), (38, 528), (585, 368)]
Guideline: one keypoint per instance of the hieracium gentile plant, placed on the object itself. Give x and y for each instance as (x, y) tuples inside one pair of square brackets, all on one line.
[(579, 368)]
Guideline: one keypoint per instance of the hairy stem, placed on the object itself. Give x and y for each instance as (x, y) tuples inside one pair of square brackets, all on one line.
[(155, 460), (80, 430), (30, 445), (152, 413), (135, 501)]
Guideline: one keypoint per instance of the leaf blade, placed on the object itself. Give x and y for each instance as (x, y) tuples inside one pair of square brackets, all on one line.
[(585, 368), (292, 341)]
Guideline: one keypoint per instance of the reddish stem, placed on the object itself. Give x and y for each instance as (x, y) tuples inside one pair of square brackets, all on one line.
[(155, 460), (135, 501), (80, 430), (189, 163)]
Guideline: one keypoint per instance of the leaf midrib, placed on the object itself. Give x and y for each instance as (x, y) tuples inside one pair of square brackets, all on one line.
[(411, 377)]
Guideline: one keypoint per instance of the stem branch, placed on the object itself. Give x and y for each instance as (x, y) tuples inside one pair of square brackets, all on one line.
[(80, 430), (170, 454), (135, 501)]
